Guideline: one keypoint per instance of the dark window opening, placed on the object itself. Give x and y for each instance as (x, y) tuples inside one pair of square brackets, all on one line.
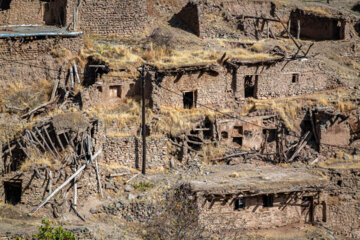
[(132, 85), (295, 78), (5, 5), (248, 133), (13, 191), (240, 204), (237, 141), (271, 134), (268, 200), (339, 183), (239, 129), (224, 135), (250, 85), (115, 91), (100, 89), (189, 99)]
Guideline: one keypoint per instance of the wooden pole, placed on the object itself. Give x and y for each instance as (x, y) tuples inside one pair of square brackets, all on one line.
[(98, 179), (64, 184), (75, 192), (46, 144), (143, 120), (51, 142), (76, 73), (289, 25), (298, 29), (50, 181), (72, 77), (268, 29)]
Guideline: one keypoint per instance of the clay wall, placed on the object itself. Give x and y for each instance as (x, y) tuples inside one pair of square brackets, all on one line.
[(278, 80), (241, 134), (332, 130), (221, 215), (128, 151), (29, 61), (208, 88)]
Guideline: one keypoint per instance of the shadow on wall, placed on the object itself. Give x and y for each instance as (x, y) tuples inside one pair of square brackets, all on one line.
[(187, 19), (356, 7), (357, 28)]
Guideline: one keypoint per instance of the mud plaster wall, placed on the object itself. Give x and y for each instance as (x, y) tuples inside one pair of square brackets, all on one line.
[(221, 215), (275, 82), (23, 12), (343, 202), (333, 133), (251, 135), (128, 150), (29, 61), (210, 89), (110, 17)]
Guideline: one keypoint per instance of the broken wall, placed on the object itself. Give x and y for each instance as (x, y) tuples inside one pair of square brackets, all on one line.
[(241, 134), (128, 151)]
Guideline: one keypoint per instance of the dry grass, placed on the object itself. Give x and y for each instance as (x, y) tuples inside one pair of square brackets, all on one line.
[(341, 161), (318, 11), (210, 152)]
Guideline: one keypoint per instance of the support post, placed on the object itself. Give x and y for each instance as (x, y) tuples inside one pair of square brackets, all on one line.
[(143, 120), (268, 29), (298, 29), (72, 77)]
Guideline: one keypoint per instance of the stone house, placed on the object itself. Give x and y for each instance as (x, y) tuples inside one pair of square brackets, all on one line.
[(261, 198)]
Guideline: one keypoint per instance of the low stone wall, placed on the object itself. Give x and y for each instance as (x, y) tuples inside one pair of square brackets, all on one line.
[(128, 151)]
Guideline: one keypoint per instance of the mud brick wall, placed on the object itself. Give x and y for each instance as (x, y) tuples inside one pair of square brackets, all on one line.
[(28, 61), (274, 81), (221, 215), (343, 202), (128, 151), (211, 89), (110, 17)]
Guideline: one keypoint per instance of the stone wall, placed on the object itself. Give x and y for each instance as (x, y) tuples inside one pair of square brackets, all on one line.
[(128, 151), (222, 215), (31, 61), (208, 88), (283, 79), (110, 17), (343, 202)]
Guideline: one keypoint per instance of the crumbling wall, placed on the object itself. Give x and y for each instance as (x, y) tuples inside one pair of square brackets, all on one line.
[(110, 17), (282, 79), (29, 61), (190, 16), (241, 134), (222, 215), (128, 151), (207, 87)]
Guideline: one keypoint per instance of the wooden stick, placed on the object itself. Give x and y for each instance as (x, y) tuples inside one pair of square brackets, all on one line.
[(75, 192), (51, 142), (38, 173), (37, 140), (72, 77), (65, 183), (76, 73), (45, 142), (313, 128), (8, 143), (50, 181), (23, 149), (53, 94), (298, 29), (59, 140), (37, 108), (302, 144), (77, 213), (232, 155)]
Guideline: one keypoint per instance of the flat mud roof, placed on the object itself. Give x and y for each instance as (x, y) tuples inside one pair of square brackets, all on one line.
[(16, 31), (257, 180)]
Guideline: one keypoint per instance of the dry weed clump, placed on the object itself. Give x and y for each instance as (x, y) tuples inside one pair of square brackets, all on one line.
[(318, 11), (210, 152)]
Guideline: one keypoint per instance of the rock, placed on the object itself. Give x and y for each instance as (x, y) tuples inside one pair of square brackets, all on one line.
[(131, 196), (118, 205), (356, 157), (94, 211), (129, 188)]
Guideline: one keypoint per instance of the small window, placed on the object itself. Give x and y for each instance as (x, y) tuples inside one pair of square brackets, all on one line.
[(295, 78), (132, 85), (115, 92), (13, 191), (239, 129), (189, 99), (237, 141), (100, 89), (224, 135), (240, 204), (5, 5), (268, 200)]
